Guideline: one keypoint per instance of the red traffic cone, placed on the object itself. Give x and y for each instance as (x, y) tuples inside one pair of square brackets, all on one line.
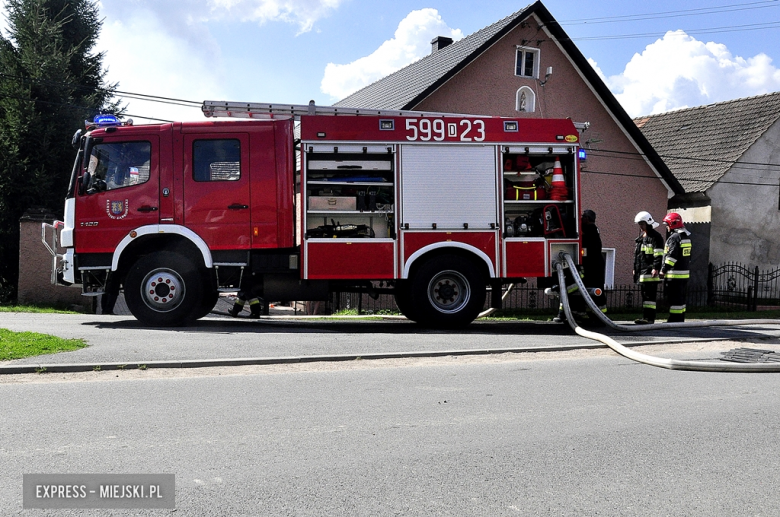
[(558, 192)]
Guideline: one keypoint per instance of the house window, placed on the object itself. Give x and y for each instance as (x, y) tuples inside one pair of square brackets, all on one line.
[(526, 100), (527, 62)]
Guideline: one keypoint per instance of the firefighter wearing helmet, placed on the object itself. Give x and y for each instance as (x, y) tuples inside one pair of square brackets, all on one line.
[(648, 256), (676, 265)]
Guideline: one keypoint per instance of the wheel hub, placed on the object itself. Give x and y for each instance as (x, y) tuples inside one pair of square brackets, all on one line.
[(446, 292), (163, 290), (449, 291)]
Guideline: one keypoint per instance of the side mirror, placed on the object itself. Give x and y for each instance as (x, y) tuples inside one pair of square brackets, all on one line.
[(76, 139), (97, 185)]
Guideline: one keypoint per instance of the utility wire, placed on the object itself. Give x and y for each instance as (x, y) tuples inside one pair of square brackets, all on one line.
[(635, 176), (633, 156), (115, 93), (675, 14), (75, 106), (710, 30), (641, 156)]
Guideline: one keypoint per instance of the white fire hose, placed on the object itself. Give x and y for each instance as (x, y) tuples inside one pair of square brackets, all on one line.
[(670, 364)]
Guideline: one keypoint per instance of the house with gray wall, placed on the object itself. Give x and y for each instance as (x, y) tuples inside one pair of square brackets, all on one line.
[(526, 66), (726, 156)]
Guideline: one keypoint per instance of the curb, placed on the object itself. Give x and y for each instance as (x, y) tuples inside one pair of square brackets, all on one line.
[(207, 363)]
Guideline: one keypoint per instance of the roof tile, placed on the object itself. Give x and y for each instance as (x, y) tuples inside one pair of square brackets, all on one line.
[(701, 144)]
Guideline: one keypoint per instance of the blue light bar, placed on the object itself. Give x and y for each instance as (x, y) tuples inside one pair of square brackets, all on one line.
[(106, 120), (581, 154)]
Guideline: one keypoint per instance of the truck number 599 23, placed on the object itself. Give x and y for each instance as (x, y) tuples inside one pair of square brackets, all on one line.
[(425, 129)]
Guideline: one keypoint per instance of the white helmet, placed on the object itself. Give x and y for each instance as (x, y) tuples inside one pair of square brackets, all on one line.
[(646, 217)]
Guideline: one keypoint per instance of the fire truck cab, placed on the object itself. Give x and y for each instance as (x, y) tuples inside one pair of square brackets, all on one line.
[(296, 202)]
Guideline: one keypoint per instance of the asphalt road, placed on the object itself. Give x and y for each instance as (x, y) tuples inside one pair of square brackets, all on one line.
[(122, 339), (567, 433)]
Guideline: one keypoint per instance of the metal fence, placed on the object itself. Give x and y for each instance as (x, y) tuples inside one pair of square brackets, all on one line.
[(729, 286), (734, 284)]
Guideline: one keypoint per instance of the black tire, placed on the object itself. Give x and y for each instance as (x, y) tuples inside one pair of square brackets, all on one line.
[(448, 291), (207, 304), (210, 295), (403, 299), (164, 289)]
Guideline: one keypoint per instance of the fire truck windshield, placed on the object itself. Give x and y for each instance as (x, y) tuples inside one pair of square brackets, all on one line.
[(117, 164)]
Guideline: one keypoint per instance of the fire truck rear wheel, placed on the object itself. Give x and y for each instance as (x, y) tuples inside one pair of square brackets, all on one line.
[(164, 289), (448, 292), (403, 299)]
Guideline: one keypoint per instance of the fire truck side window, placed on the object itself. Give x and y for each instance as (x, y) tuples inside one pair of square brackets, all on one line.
[(116, 165), (216, 160)]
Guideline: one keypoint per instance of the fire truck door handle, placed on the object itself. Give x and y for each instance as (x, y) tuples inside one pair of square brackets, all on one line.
[(236, 206), (147, 208)]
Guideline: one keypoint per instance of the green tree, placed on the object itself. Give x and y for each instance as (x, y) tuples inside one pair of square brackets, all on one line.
[(51, 80)]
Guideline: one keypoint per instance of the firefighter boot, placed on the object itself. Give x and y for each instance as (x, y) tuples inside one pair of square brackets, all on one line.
[(255, 307), (238, 306), (561, 317)]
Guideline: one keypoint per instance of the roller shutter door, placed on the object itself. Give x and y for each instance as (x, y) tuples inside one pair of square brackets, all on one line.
[(448, 185)]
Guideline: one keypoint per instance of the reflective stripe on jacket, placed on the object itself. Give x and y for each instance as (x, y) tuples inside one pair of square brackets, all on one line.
[(677, 255), (648, 255)]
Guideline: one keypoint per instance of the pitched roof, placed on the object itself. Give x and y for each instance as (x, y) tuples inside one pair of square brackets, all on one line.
[(701, 144), (407, 87)]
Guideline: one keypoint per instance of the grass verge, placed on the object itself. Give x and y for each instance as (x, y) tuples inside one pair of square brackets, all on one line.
[(17, 345), (36, 308)]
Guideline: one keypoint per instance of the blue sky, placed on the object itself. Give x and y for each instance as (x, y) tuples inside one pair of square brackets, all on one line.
[(652, 55)]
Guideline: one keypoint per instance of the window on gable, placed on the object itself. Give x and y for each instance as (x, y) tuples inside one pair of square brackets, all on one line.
[(527, 62)]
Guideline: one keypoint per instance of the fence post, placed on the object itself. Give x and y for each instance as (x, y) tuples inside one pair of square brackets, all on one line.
[(710, 286), (755, 291)]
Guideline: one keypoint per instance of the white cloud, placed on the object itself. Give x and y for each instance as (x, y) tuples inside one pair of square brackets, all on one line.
[(142, 56), (410, 42), (303, 13), (679, 71), (166, 48)]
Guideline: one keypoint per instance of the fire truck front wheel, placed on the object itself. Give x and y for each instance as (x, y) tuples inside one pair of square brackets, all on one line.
[(164, 289), (448, 292)]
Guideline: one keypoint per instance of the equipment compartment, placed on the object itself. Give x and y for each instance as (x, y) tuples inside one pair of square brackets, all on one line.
[(539, 189), (350, 195)]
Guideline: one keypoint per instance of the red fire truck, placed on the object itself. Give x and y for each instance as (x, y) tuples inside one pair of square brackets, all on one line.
[(298, 202)]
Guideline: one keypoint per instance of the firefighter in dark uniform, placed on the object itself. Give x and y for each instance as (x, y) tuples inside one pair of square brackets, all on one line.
[(592, 259), (676, 263), (648, 257), (248, 293), (592, 273), (255, 305)]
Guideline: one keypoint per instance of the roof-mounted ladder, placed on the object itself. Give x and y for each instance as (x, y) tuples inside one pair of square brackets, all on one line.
[(265, 111)]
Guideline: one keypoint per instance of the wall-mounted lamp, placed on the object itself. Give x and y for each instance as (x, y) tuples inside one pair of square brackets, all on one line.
[(546, 76)]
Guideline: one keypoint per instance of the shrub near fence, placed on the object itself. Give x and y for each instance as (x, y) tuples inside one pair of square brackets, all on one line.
[(519, 299)]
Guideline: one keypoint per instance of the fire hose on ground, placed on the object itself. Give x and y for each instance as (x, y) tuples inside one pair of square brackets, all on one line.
[(670, 364)]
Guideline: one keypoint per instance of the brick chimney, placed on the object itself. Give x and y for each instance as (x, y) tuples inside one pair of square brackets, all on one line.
[(439, 42)]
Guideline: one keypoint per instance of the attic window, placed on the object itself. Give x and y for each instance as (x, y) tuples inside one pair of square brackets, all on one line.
[(527, 62), (684, 127)]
